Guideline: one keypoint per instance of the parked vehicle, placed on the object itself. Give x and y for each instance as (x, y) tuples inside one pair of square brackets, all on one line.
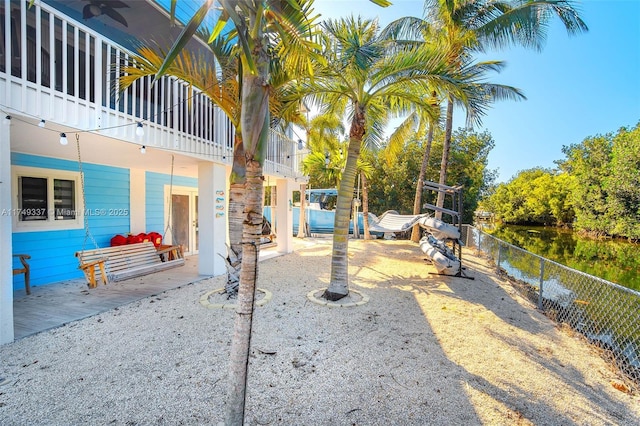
[(319, 212)]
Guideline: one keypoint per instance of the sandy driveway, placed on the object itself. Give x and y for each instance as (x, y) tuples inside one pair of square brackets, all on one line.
[(423, 350)]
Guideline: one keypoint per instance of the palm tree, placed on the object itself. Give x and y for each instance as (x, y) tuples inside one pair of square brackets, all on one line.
[(374, 77), (325, 160), (474, 25), (327, 166), (219, 82), (261, 29), (414, 124)]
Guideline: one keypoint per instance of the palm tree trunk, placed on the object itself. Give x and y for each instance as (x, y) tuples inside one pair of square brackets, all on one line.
[(417, 201), (446, 147), (241, 342), (255, 130), (301, 219), (236, 207), (339, 286), (365, 207)]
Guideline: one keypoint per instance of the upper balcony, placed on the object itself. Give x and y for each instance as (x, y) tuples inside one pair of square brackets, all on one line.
[(55, 68)]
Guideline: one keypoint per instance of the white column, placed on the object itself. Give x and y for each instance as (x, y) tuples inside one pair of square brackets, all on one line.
[(213, 198), (284, 215), (6, 268), (137, 201)]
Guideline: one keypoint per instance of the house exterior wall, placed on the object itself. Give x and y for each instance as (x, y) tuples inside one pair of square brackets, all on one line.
[(58, 71), (108, 204), (137, 190), (155, 183)]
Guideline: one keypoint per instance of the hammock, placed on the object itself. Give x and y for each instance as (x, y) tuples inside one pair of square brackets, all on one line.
[(391, 221)]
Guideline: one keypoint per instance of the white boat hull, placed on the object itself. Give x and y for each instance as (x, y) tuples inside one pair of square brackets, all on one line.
[(442, 258), (439, 229)]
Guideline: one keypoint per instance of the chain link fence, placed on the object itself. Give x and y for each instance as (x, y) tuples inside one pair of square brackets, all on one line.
[(606, 314)]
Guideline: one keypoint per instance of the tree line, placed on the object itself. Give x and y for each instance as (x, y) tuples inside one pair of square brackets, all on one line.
[(595, 189), (392, 179)]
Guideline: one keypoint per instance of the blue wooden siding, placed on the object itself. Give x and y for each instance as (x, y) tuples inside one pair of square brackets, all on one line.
[(52, 252), (155, 183)]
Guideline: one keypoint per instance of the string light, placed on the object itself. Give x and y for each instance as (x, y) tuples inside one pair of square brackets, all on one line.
[(140, 132), (64, 140)]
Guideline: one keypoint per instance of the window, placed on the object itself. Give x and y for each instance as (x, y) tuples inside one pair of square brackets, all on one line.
[(46, 199)]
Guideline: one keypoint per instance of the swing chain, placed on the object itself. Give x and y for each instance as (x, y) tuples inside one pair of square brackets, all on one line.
[(87, 233), (169, 227)]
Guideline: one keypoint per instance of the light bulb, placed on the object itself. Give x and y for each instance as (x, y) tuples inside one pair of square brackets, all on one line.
[(41, 124), (143, 149), (63, 139), (139, 130), (300, 144)]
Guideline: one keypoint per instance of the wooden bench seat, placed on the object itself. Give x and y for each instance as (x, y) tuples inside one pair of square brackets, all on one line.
[(128, 261)]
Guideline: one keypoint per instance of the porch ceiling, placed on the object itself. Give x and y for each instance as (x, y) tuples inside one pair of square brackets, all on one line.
[(146, 21), (28, 138)]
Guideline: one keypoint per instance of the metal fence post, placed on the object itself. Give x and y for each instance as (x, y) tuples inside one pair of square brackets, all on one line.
[(479, 241), (540, 306), (498, 260)]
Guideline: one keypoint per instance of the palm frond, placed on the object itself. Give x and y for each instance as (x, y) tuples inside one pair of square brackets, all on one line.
[(526, 22), (408, 28), (295, 25), (185, 36), (194, 69), (400, 135)]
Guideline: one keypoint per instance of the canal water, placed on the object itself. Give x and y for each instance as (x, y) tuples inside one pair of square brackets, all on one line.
[(617, 261)]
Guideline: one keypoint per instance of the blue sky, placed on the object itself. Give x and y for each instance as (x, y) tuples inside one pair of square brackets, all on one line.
[(577, 87)]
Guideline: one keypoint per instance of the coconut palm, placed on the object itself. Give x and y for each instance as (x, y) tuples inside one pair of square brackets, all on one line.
[(479, 95), (262, 30), (327, 166), (374, 77), (469, 26), (414, 125), (218, 81)]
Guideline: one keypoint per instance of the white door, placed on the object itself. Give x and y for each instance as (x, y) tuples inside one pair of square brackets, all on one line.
[(181, 213)]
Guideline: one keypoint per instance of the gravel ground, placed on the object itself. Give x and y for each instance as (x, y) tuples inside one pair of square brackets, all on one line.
[(423, 350)]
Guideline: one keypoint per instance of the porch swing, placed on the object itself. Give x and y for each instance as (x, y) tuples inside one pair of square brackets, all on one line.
[(122, 262)]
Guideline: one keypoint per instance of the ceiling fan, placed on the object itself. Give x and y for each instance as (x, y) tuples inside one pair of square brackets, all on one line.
[(104, 7)]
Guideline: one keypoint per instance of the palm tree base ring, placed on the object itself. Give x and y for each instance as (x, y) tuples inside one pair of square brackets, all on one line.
[(231, 303), (354, 298)]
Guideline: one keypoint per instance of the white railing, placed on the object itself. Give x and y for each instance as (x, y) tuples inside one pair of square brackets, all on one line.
[(56, 69), (283, 157)]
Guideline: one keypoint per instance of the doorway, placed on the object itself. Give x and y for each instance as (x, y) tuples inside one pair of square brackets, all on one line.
[(183, 219)]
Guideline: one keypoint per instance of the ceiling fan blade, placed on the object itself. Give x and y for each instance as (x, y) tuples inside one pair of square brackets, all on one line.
[(115, 16), (86, 12), (116, 4)]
